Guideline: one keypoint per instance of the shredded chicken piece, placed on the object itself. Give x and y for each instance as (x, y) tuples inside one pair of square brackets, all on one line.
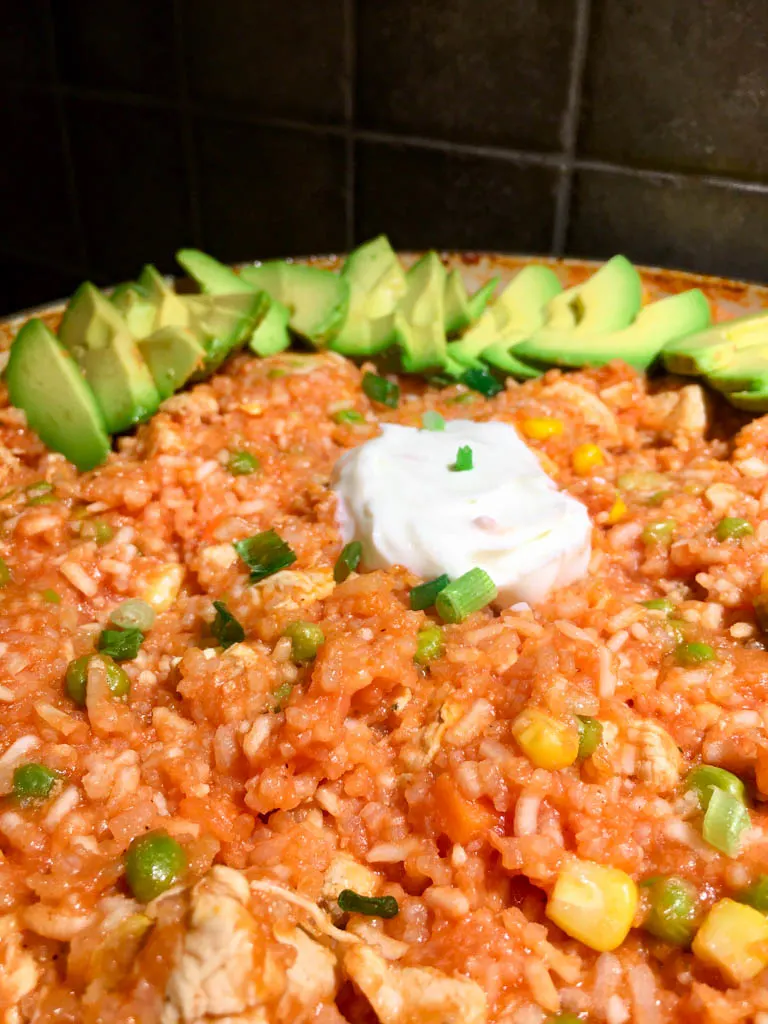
[(659, 761), (319, 919), (313, 976), (422, 750), (593, 409), (414, 995), (18, 972)]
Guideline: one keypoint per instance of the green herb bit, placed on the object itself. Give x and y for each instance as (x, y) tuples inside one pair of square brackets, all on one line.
[(482, 381), (725, 819), (733, 528), (429, 645), (76, 678), (432, 420), (590, 735), (225, 628), (352, 902), (32, 782), (242, 463), (659, 532), (265, 554), (42, 499), (469, 593), (464, 460), (96, 530), (659, 604), (348, 560), (756, 895), (704, 779), (50, 596), (281, 696), (153, 863), (5, 573), (121, 644), (673, 910), (466, 398), (38, 490), (306, 639), (381, 390), (424, 595), (348, 416), (694, 653), (133, 614)]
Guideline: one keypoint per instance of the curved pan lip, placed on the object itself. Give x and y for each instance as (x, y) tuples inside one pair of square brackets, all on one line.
[(731, 295)]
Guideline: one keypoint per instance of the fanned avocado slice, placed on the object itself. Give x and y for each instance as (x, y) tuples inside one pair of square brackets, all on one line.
[(608, 300), (271, 335), (214, 278), (136, 307), (170, 308), (638, 344), (44, 380), (97, 336), (376, 282), (223, 323), (420, 316), (461, 309), (173, 355), (750, 401), (711, 350), (317, 299)]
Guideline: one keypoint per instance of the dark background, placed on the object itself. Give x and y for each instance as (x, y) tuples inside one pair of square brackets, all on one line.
[(258, 128)]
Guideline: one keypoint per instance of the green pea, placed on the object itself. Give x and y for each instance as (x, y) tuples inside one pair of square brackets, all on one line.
[(590, 735), (757, 894), (733, 528), (33, 782), (694, 653), (705, 778), (306, 638), (242, 463), (117, 678), (429, 645), (673, 910), (77, 678), (659, 604), (133, 614), (659, 532), (281, 696), (5, 573), (153, 863)]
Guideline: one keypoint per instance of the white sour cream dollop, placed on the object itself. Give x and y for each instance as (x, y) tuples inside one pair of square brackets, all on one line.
[(399, 496)]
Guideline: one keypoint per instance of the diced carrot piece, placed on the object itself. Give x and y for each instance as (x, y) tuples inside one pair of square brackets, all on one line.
[(461, 819)]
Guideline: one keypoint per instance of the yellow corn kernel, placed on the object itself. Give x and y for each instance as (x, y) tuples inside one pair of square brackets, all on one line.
[(163, 585), (617, 512), (541, 427), (764, 581), (546, 741), (587, 457), (733, 937), (594, 904)]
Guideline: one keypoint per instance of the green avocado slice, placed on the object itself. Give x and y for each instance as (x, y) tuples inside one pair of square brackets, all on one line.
[(136, 307), (214, 278), (97, 336), (169, 307), (420, 316), (271, 335), (609, 300), (317, 299), (461, 309), (173, 355), (45, 381), (708, 351), (376, 282), (223, 323)]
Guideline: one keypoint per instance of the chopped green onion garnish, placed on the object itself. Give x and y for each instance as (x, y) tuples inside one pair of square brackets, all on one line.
[(242, 463), (429, 645), (659, 604), (33, 782), (425, 594), (37, 490), (704, 779), (96, 529), (348, 560), (590, 735), (306, 638), (281, 696), (694, 653), (372, 906), (348, 416), (432, 420), (469, 593), (659, 532), (757, 894), (673, 911), (483, 381), (42, 499), (121, 644), (50, 596), (733, 528), (724, 821), (225, 628), (463, 459), (5, 573), (265, 554), (133, 614), (381, 390)]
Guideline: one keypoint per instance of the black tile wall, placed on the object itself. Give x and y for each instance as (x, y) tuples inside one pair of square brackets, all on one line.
[(258, 129)]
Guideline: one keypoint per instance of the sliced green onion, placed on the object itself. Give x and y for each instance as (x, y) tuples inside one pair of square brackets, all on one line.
[(673, 910), (133, 614), (37, 491), (42, 499), (733, 528), (225, 628), (424, 595), (5, 573), (590, 735), (306, 638), (348, 560), (352, 902), (659, 532), (725, 819), (348, 416), (469, 593), (121, 644), (381, 390), (694, 653), (756, 895), (50, 596), (463, 459), (482, 381), (33, 782), (265, 554), (281, 696), (429, 645), (659, 604), (432, 420), (704, 779), (96, 529), (242, 463)]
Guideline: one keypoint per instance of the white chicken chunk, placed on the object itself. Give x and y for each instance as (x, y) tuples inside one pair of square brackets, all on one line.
[(18, 972), (312, 977)]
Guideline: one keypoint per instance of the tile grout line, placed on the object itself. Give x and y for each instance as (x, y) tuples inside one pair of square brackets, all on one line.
[(187, 130), (57, 94), (350, 157), (570, 126)]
